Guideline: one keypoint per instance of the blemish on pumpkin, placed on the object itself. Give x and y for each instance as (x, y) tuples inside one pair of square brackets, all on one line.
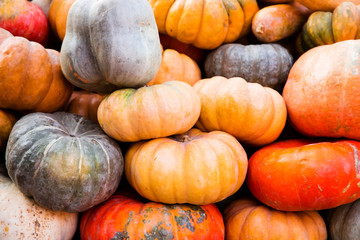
[(6, 229), (319, 188), (356, 158), (358, 184), (346, 188), (353, 196), (77, 75)]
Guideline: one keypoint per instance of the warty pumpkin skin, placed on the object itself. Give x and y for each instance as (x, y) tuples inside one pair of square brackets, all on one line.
[(124, 216), (321, 91), (110, 44), (204, 23), (64, 161), (161, 110), (195, 167), (266, 64), (255, 115), (303, 175), (321, 5), (247, 219), (58, 13)]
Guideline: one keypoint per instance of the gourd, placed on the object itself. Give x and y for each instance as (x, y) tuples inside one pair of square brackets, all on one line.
[(320, 5), (58, 12)]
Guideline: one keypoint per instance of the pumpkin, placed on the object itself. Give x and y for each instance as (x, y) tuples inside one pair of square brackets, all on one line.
[(43, 4), (161, 110), (266, 64), (126, 216), (329, 27), (22, 218), (62, 160), (247, 219), (30, 77), (24, 19), (7, 121), (255, 115), (85, 104), (176, 66), (321, 5), (110, 44), (321, 91), (302, 175), (58, 12), (206, 24), (276, 22), (344, 222)]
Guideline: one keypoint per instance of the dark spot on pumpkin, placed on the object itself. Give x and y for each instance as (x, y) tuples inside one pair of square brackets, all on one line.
[(121, 236), (158, 232), (185, 221)]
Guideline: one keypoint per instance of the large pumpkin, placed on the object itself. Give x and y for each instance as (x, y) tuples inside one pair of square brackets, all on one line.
[(266, 64), (247, 219), (110, 44), (321, 5), (195, 167), (30, 77), (126, 216), (64, 161), (301, 175), (204, 23), (255, 115), (22, 218), (321, 92), (58, 12)]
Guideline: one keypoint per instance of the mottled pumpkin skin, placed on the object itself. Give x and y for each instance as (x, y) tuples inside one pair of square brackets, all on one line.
[(195, 167), (22, 218), (110, 44), (302, 175), (242, 217), (204, 23), (127, 217), (58, 13), (64, 161), (266, 64), (321, 5), (321, 91)]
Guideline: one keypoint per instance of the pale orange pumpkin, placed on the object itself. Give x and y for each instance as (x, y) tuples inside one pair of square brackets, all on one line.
[(58, 12)]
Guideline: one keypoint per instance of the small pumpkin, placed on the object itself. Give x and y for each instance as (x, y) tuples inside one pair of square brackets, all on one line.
[(58, 12), (321, 5), (266, 64), (255, 115), (247, 219), (7, 121), (110, 45), (62, 160)]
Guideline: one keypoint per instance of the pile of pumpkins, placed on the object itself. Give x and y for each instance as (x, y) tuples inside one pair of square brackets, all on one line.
[(197, 119)]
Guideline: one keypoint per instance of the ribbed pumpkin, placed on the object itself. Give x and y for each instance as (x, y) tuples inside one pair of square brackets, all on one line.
[(124, 216), (255, 115), (58, 13), (247, 219), (7, 121), (30, 77), (302, 175), (161, 110), (204, 23), (22, 218), (64, 161), (329, 27), (110, 44), (267, 64), (195, 167), (176, 66), (321, 5), (321, 92)]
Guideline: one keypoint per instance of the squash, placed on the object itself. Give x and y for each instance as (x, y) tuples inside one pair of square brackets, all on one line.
[(321, 5), (126, 216), (7, 121), (58, 12), (303, 175), (176, 66), (62, 160), (110, 44), (255, 115), (247, 219), (321, 91), (195, 167), (266, 64), (30, 78), (206, 24), (161, 110)]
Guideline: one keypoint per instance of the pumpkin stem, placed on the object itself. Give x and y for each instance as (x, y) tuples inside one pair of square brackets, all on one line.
[(183, 138)]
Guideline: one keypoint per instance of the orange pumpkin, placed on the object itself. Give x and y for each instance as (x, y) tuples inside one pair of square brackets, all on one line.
[(321, 5), (58, 12), (7, 121)]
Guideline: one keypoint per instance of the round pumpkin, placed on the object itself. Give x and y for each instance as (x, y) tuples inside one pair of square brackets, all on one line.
[(161, 110), (255, 115), (110, 44), (126, 216), (204, 23), (266, 64), (321, 5), (176, 66), (31, 79), (247, 219), (321, 91), (58, 12), (302, 175), (22, 218), (64, 161), (195, 167)]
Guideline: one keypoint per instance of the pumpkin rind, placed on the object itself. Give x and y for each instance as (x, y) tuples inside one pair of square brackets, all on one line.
[(58, 12), (320, 5), (7, 121)]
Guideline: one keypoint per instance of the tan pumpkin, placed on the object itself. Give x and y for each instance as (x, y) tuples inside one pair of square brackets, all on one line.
[(58, 13)]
